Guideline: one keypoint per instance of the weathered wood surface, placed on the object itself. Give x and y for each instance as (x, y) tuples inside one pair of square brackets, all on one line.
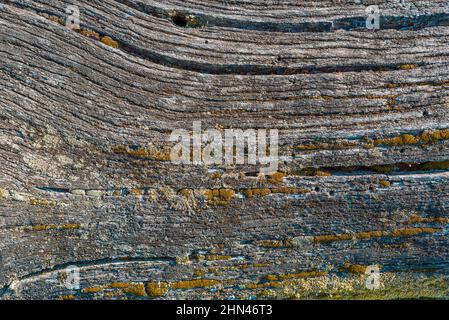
[(84, 127)]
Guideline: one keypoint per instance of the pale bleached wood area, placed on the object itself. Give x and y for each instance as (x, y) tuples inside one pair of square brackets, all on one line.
[(86, 178)]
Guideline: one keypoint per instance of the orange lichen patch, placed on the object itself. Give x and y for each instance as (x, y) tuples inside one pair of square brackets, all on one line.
[(109, 42), (43, 227), (89, 33), (257, 192), (309, 147), (137, 192), (196, 283), (300, 275), (374, 234), (67, 297), (409, 139), (42, 202), (219, 196), (409, 66), (277, 177), (385, 183), (216, 257), (418, 219), (157, 289), (137, 289), (158, 155)]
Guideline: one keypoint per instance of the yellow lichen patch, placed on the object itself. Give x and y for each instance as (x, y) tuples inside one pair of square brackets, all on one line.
[(41, 227), (321, 173), (371, 234), (182, 260), (409, 66), (187, 193), (412, 231), (70, 226), (409, 139), (193, 21), (277, 177), (152, 153), (93, 289), (313, 172), (3, 193), (217, 270), (199, 273), (285, 280), (418, 219), (254, 265), (57, 20), (374, 234), (110, 42), (332, 145), (289, 190), (439, 165), (67, 297), (215, 257), (353, 268), (219, 196), (196, 283), (275, 243), (42, 202), (216, 175), (157, 289), (137, 289), (262, 192), (433, 136), (332, 238), (89, 33), (385, 183), (44, 227), (300, 275), (383, 168)]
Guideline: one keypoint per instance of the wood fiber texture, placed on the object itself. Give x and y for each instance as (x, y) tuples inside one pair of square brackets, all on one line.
[(86, 179)]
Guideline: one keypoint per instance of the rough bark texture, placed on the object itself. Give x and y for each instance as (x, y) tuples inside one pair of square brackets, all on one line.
[(85, 120)]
